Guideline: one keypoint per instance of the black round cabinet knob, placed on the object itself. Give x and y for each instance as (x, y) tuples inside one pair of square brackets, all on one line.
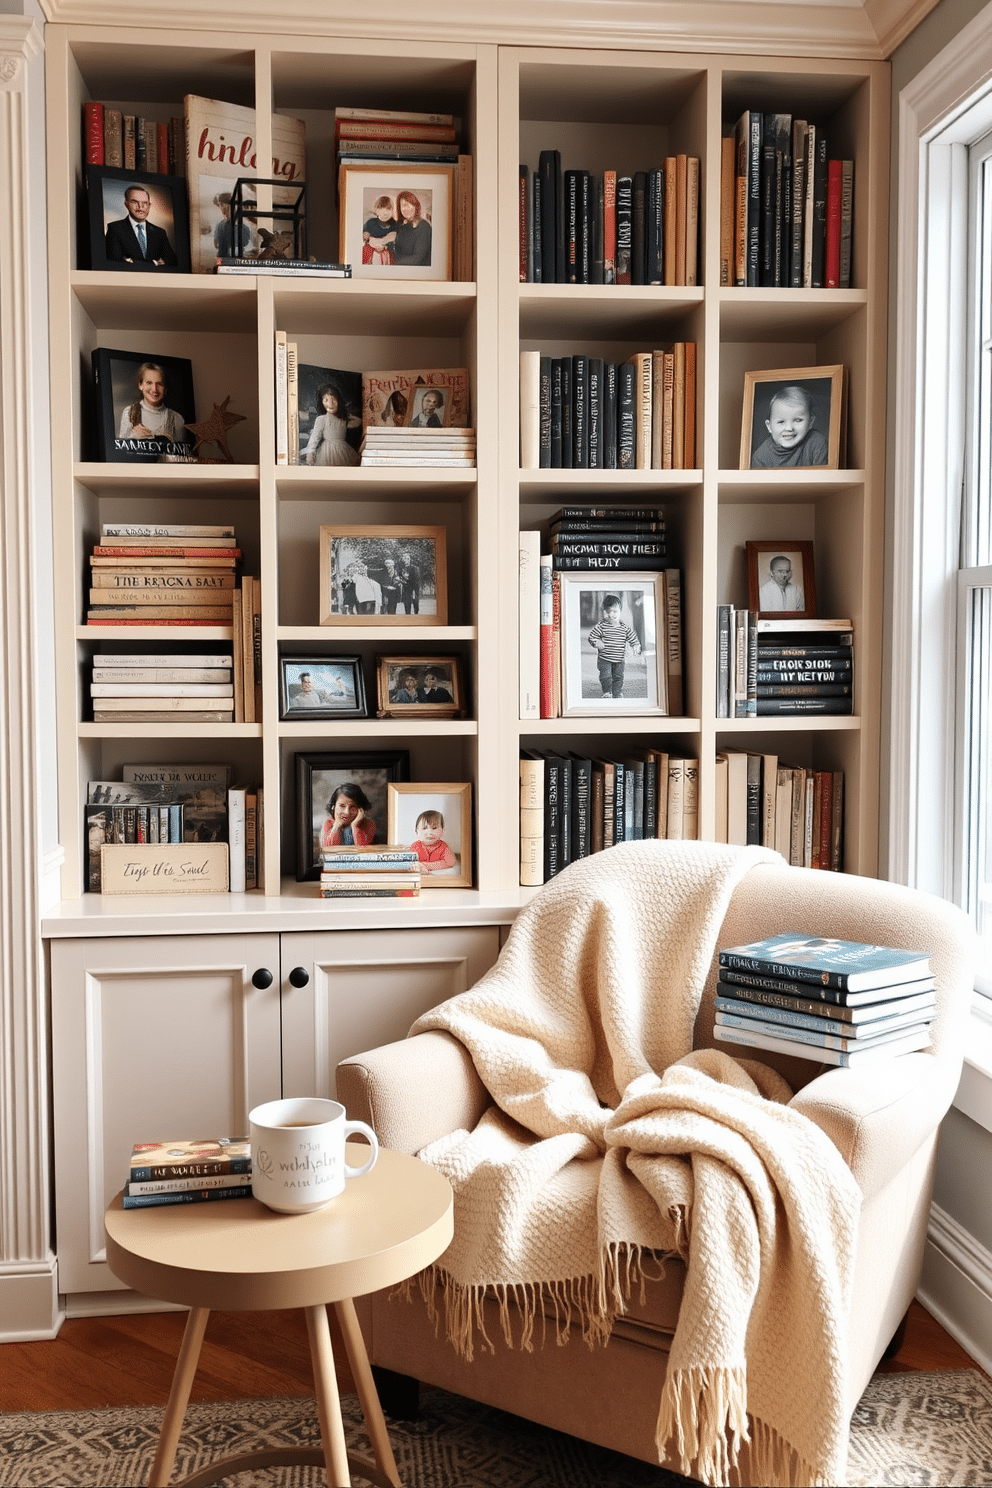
[(299, 976), (262, 978)]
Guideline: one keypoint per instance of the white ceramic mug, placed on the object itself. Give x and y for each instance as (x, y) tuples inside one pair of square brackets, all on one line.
[(297, 1153)]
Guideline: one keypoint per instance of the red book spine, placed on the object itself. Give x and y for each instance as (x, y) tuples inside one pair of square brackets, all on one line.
[(163, 149), (101, 550), (835, 172), (93, 132), (556, 645), (610, 226), (522, 206)]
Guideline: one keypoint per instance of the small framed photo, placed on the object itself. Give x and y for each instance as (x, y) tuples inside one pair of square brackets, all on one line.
[(341, 800), (794, 419), (611, 661), (144, 406), (436, 820), (430, 686), (396, 219), (138, 221), (321, 687), (781, 580), (383, 576)]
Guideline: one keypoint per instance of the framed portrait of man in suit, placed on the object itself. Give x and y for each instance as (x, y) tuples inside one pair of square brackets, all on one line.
[(138, 221)]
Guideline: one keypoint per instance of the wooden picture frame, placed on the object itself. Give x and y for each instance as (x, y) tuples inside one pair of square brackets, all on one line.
[(815, 443), (641, 675), (781, 568), (314, 687), (358, 586), (113, 244), (452, 802), (412, 247), (419, 686), (319, 776), (117, 379)]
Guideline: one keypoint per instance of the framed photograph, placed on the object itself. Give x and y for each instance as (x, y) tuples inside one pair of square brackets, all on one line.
[(435, 819), (335, 793), (330, 415), (395, 220), (321, 687), (781, 580), (429, 686), (383, 576), (611, 661), (138, 221), (144, 405), (794, 419)]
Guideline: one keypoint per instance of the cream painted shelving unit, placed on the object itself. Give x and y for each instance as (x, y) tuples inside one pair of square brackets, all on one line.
[(608, 108)]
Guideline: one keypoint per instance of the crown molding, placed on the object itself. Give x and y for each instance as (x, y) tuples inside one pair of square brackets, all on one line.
[(812, 29), (20, 39), (893, 20)]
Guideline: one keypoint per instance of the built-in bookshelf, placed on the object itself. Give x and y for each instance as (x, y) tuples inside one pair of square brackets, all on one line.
[(601, 110)]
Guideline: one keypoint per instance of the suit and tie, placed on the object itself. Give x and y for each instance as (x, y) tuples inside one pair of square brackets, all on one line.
[(123, 242)]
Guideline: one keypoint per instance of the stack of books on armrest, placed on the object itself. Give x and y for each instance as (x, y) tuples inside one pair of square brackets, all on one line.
[(188, 1171), (834, 1001), (387, 872)]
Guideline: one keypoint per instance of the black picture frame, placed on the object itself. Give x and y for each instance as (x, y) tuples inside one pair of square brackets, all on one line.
[(169, 215), (116, 376), (319, 775), (336, 687)]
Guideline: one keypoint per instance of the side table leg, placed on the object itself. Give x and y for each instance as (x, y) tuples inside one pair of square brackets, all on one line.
[(328, 1400), (182, 1382), (361, 1372)]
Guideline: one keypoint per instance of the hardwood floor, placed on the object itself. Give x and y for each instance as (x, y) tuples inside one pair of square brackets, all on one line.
[(98, 1362)]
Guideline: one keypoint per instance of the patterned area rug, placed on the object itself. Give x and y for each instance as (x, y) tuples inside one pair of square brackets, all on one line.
[(912, 1429)]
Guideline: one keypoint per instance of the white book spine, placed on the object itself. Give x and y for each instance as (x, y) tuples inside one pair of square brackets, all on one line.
[(530, 410), (161, 689), (236, 838), (530, 625), (282, 406)]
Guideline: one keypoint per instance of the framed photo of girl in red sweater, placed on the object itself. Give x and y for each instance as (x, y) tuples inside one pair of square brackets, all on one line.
[(435, 819)]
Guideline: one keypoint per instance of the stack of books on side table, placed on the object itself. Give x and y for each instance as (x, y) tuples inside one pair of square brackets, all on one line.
[(387, 872), (188, 1171), (834, 1001)]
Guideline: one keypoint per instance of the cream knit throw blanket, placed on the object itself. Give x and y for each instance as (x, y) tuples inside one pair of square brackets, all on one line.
[(612, 1145)]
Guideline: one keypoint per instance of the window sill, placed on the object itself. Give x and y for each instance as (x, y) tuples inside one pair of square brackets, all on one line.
[(974, 1095)]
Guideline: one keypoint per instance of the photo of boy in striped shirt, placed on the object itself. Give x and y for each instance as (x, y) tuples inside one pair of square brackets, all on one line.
[(610, 639)]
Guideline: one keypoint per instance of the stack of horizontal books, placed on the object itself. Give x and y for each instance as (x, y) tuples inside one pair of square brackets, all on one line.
[(162, 574), (188, 1171), (386, 445), (611, 541), (387, 872), (781, 666), (834, 1001), (192, 688)]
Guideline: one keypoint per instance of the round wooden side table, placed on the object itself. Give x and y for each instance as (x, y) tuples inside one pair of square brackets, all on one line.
[(238, 1255)]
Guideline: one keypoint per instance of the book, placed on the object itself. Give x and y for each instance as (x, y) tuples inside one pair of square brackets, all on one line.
[(366, 856), (392, 116), (625, 228), (727, 209), (220, 148), (847, 1059), (287, 267), (850, 966), (798, 1005), (121, 380), (186, 1185), (835, 176), (818, 1037), (846, 222), (162, 529), (131, 1200), (236, 838), (546, 614), (189, 1157)]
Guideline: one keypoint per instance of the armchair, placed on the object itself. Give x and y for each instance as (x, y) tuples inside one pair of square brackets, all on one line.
[(883, 1119)]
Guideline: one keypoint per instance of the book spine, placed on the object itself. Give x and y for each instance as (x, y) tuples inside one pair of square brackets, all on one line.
[(740, 664), (580, 412), (282, 407), (608, 547), (724, 627), (546, 613), (779, 971), (525, 257), (185, 1185), (846, 223), (809, 217), (835, 173), (689, 441), (692, 220), (113, 137), (676, 799), (610, 380), (531, 821), (292, 403), (128, 143), (552, 817), (796, 245), (155, 1172), (570, 197), (674, 703), (530, 410), (236, 838), (625, 228), (766, 268), (654, 227), (727, 208), (197, 1196), (586, 216), (93, 133), (544, 414), (609, 227), (672, 219), (768, 707), (754, 200), (567, 430), (530, 624), (626, 416), (637, 244), (817, 272), (595, 371)]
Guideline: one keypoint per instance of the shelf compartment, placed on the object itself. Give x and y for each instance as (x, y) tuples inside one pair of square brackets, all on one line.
[(538, 485), (384, 728), (794, 314), (352, 483), (355, 307), (121, 301), (577, 727), (186, 482), (386, 637), (784, 723), (160, 730), (784, 487), (598, 310)]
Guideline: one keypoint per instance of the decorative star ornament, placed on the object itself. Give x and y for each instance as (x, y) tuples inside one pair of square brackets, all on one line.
[(214, 429)]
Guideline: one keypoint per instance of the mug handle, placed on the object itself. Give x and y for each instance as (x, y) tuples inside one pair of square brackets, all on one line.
[(369, 1164)]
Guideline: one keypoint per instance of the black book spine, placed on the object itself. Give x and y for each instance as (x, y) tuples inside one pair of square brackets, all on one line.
[(560, 264), (795, 279), (544, 391), (598, 274), (651, 797), (525, 227), (654, 271), (637, 244), (549, 167), (587, 226), (754, 768), (775, 659), (785, 223), (537, 230), (819, 212), (570, 192), (567, 441), (566, 810), (626, 440), (595, 413), (767, 216), (556, 413), (754, 202), (610, 416), (553, 859), (580, 808), (580, 413), (619, 802), (625, 227), (608, 563)]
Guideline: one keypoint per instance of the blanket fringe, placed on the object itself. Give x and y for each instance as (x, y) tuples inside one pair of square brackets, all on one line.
[(703, 1417)]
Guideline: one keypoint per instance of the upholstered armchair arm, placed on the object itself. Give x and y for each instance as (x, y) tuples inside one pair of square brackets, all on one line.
[(879, 1117), (413, 1091)]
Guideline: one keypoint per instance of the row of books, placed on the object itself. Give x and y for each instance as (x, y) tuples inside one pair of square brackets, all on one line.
[(188, 1171), (584, 413), (162, 574), (388, 872), (772, 667), (837, 1002), (201, 805), (187, 687), (786, 208), (584, 227), (131, 141), (324, 415), (572, 805), (795, 809)]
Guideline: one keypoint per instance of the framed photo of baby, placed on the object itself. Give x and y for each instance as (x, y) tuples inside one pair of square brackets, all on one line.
[(396, 220), (781, 580), (794, 419), (435, 819)]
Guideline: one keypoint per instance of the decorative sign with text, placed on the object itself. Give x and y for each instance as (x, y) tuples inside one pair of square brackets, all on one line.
[(176, 868)]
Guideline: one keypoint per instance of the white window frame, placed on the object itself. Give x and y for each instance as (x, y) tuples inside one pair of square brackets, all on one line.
[(945, 108)]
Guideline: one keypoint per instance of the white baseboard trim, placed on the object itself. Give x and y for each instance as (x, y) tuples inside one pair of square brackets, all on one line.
[(30, 1306), (114, 1304), (956, 1286)]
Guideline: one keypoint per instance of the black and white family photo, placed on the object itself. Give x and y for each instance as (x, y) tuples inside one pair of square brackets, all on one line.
[(392, 574)]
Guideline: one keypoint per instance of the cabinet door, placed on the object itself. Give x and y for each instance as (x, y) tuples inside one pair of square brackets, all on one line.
[(365, 988), (152, 1038)]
